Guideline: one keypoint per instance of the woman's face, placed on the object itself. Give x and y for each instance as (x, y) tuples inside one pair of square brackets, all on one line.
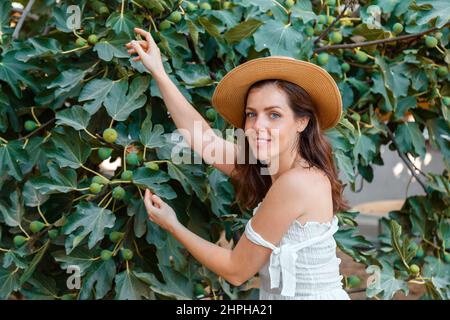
[(270, 125)]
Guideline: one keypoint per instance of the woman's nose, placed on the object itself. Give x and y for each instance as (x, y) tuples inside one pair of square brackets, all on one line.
[(259, 123)]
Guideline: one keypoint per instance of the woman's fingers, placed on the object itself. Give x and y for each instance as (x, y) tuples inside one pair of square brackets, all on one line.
[(138, 48), (144, 33), (148, 202), (157, 201), (142, 43)]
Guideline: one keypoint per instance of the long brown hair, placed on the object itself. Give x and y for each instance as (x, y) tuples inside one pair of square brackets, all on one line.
[(312, 146)]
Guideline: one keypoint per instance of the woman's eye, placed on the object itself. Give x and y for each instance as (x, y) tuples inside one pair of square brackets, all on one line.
[(249, 113), (275, 114)]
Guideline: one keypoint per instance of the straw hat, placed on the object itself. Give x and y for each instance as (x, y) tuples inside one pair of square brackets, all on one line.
[(229, 95)]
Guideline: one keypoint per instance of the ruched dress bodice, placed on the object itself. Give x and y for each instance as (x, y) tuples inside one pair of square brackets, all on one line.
[(303, 266)]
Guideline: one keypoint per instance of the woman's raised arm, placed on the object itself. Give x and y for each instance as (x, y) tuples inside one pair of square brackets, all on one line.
[(198, 133)]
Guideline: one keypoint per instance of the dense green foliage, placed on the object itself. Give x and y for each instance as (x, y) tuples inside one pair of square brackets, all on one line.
[(69, 99)]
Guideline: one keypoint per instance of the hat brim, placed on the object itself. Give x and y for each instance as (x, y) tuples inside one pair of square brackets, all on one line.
[(229, 96)]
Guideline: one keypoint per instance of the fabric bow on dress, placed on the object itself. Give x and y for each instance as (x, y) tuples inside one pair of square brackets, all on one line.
[(283, 258)]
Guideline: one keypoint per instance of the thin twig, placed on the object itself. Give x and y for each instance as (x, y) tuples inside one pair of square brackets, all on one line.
[(22, 19), (369, 43), (405, 159)]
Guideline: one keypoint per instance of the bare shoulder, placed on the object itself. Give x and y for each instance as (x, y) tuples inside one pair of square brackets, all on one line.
[(312, 189), (306, 179)]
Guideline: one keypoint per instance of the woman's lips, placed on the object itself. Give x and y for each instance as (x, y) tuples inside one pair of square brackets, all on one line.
[(262, 142)]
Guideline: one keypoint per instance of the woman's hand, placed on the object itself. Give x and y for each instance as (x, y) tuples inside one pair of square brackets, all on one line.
[(148, 52), (160, 212)]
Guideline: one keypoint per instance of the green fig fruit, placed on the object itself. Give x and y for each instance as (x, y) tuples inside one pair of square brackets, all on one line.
[(53, 233), (30, 125), (118, 193), (104, 153), (397, 28), (110, 135), (126, 175), (116, 236), (80, 42), (431, 41), (92, 39), (322, 58), (19, 240), (345, 67), (36, 226), (132, 159), (414, 269), (127, 254), (99, 180), (152, 166), (211, 114), (175, 17), (95, 188), (106, 255), (353, 281), (361, 56)]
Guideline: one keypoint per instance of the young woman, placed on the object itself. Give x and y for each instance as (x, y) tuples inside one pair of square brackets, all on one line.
[(282, 105)]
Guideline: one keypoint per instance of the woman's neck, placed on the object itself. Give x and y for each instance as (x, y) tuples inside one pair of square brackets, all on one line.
[(283, 163)]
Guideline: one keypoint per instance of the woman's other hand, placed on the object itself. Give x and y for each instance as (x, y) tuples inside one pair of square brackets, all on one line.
[(160, 212)]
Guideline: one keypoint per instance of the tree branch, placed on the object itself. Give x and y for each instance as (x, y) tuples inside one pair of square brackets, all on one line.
[(369, 43), (22, 19), (347, 4)]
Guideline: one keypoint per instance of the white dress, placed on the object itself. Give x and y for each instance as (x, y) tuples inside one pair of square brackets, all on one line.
[(303, 266)]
